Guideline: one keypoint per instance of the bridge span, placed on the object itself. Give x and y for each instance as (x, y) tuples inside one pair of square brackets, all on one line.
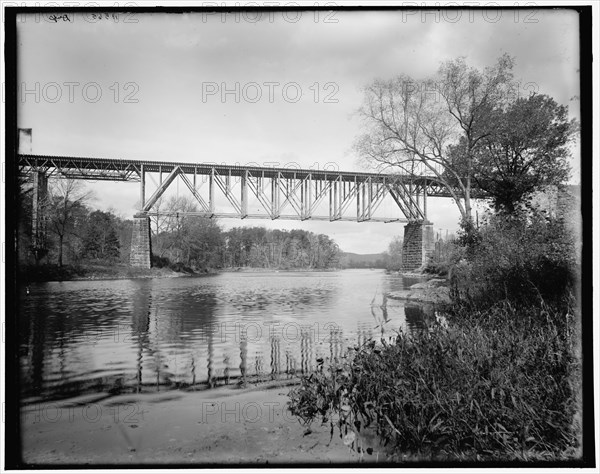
[(274, 193)]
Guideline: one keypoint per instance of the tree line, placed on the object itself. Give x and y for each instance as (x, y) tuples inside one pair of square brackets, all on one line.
[(71, 231), (75, 233), (199, 242)]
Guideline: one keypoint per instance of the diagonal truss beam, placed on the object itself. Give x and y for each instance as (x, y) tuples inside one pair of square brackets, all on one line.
[(195, 193), (293, 193), (161, 189)]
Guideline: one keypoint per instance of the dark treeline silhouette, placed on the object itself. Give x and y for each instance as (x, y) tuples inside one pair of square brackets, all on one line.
[(205, 245), (72, 232), (77, 234), (200, 243)]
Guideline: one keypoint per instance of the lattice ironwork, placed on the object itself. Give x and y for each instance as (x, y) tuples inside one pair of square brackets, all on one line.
[(282, 193)]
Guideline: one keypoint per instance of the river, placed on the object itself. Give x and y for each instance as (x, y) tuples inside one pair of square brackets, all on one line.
[(122, 336)]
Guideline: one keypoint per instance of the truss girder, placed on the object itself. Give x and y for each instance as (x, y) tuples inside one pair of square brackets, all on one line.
[(282, 193)]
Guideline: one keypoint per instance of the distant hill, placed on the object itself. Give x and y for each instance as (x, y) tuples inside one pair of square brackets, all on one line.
[(357, 260)]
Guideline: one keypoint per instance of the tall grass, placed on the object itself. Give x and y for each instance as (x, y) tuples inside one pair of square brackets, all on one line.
[(501, 380), (487, 388)]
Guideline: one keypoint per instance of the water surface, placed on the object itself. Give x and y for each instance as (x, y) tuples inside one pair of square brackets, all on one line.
[(154, 334)]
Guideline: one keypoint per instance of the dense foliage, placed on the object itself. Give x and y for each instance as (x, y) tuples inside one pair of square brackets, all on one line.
[(79, 235), (498, 377), (534, 260), (526, 151), (497, 385), (198, 242), (74, 232)]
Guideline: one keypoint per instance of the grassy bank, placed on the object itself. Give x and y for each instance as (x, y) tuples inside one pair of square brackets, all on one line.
[(484, 389), (500, 380)]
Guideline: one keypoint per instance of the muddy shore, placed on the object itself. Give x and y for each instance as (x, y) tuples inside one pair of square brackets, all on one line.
[(224, 425), (435, 291)]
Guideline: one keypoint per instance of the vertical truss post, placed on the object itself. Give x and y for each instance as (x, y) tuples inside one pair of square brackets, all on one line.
[(302, 199), (357, 184), (335, 199), (370, 198), (275, 197), (244, 203), (309, 195), (425, 202), (364, 200), (142, 186), (340, 198), (330, 192), (211, 191)]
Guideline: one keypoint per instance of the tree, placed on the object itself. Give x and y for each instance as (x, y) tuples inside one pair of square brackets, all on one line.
[(189, 240), (100, 238), (205, 242), (394, 254), (411, 124), (527, 150), (66, 198)]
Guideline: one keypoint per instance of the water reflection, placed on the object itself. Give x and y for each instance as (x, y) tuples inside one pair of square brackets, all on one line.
[(140, 335), (419, 317)]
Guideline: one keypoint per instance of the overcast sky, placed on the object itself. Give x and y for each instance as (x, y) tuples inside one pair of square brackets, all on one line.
[(162, 76)]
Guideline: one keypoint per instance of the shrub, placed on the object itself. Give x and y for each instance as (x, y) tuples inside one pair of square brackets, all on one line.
[(160, 262), (500, 388), (524, 259), (436, 268)]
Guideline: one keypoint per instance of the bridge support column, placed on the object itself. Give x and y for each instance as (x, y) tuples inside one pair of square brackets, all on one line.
[(418, 245), (141, 244), (39, 243)]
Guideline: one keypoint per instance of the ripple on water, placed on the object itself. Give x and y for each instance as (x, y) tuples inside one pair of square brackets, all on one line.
[(151, 334)]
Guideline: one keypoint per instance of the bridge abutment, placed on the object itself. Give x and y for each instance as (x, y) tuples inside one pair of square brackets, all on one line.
[(141, 243), (418, 245)]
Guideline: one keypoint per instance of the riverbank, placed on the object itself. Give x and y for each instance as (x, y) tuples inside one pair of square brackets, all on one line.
[(84, 272), (45, 273), (218, 426), (275, 270)]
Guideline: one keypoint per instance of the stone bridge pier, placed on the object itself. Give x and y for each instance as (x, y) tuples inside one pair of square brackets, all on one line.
[(141, 243), (418, 245)]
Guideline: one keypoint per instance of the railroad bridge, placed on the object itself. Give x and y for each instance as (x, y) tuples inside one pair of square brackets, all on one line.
[(277, 193)]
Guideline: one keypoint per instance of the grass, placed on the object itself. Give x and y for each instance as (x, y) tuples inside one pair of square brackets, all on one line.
[(495, 384)]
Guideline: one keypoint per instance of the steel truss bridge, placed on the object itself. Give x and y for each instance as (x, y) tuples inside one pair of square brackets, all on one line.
[(283, 193)]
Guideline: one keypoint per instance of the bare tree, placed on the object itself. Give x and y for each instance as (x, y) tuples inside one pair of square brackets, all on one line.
[(65, 198), (413, 124)]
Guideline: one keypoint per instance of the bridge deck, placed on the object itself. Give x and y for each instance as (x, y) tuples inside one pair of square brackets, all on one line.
[(277, 189), (130, 170)]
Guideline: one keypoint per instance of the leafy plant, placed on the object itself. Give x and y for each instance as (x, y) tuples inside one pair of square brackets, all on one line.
[(495, 383), (523, 257)]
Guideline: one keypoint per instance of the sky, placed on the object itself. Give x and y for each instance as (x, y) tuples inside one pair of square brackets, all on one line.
[(268, 89)]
